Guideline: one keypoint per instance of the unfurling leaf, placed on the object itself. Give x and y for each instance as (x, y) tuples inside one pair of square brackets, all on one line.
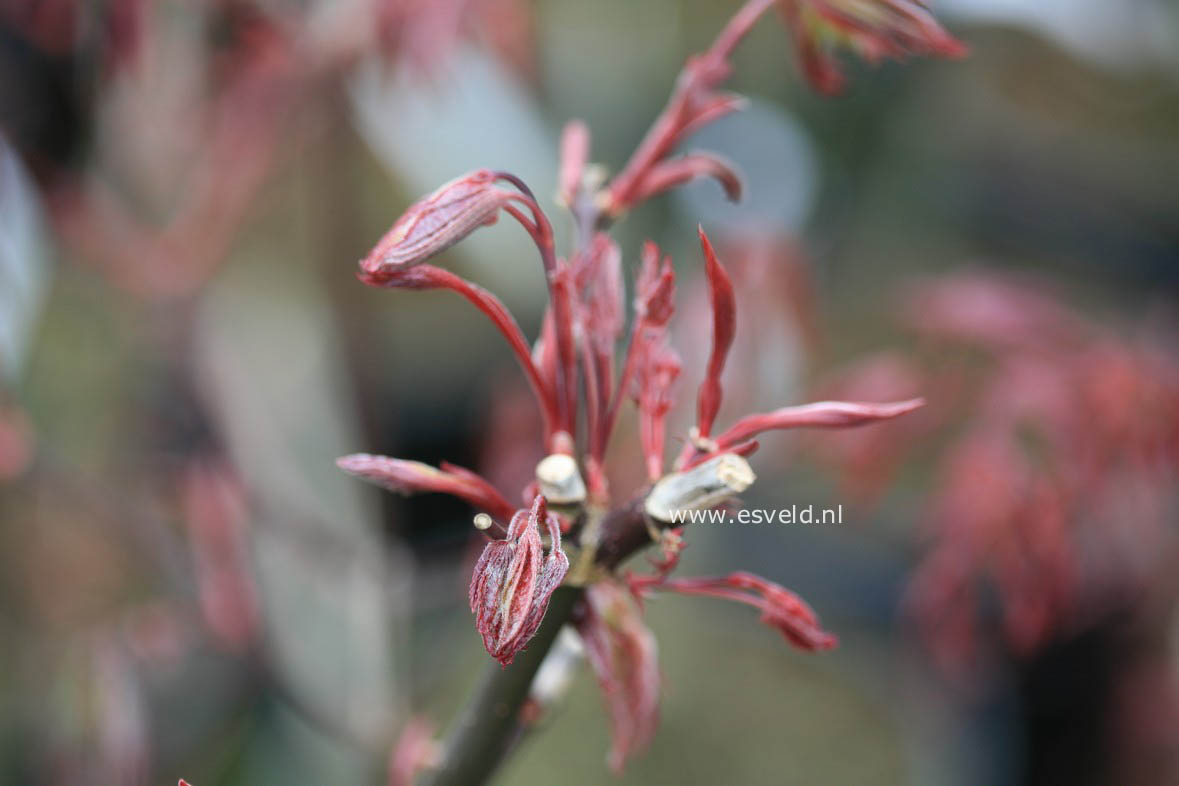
[(873, 29), (513, 581), (438, 221)]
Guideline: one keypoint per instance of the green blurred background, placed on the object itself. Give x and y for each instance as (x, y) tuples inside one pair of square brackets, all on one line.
[(1051, 149)]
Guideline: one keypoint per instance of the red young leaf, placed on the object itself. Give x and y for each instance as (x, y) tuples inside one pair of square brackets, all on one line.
[(657, 366), (873, 29), (513, 580), (414, 477), (822, 414), (780, 608), (724, 326), (438, 221), (674, 172)]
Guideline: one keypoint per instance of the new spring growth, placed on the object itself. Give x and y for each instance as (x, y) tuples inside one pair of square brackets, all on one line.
[(876, 31), (513, 581), (451, 213), (414, 477), (438, 221), (780, 608), (724, 326), (580, 386)]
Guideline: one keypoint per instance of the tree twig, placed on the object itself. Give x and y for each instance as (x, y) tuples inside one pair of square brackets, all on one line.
[(489, 723)]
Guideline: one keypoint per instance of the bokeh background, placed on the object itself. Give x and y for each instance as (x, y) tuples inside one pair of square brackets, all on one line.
[(189, 586)]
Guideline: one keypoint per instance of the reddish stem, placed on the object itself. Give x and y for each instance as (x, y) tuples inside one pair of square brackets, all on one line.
[(724, 326), (702, 73), (542, 234), (430, 277), (593, 413), (598, 450)]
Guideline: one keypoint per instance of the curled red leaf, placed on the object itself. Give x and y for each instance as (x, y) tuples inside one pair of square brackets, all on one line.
[(513, 581), (822, 414), (780, 608), (724, 326), (676, 171), (414, 477), (438, 221), (872, 29)]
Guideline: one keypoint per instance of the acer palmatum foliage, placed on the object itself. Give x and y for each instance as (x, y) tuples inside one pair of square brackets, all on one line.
[(580, 383)]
